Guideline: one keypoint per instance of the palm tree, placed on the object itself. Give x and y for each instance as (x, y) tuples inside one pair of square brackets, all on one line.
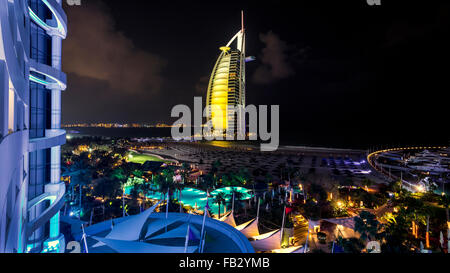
[(185, 168), (367, 225), (281, 167), (134, 194), (228, 179), (81, 176), (350, 245), (179, 187), (219, 199), (145, 188), (243, 176), (215, 169), (165, 185), (445, 202), (238, 196), (366, 182), (168, 174), (395, 234), (138, 173), (207, 182), (416, 210), (291, 171), (318, 192), (107, 188)]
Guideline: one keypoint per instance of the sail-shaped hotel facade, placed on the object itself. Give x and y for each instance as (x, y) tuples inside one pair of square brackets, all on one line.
[(31, 82), (225, 100)]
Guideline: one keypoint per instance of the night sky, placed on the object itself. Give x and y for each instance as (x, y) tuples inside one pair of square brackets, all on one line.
[(340, 70)]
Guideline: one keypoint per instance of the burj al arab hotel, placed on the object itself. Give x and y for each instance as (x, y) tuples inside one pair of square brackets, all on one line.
[(225, 101)]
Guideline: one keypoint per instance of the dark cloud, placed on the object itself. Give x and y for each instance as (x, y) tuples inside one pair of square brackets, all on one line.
[(274, 58), (90, 100), (201, 86), (96, 50)]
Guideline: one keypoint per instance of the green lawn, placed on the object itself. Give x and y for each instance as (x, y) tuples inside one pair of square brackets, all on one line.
[(141, 158)]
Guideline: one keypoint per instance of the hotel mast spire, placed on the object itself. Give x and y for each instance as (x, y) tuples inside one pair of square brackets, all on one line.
[(242, 21)]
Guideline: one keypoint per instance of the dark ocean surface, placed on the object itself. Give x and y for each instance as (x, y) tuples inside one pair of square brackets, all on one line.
[(314, 138)]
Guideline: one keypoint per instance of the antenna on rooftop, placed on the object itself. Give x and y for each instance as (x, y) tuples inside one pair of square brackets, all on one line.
[(242, 21)]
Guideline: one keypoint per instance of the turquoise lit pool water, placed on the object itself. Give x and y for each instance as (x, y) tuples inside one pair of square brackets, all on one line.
[(195, 197)]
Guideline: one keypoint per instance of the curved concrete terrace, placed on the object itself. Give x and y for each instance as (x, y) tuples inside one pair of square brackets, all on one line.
[(53, 137), (57, 77), (61, 18)]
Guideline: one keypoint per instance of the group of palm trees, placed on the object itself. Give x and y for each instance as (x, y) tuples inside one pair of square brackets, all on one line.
[(416, 219)]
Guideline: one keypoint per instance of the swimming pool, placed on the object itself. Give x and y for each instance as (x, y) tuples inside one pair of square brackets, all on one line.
[(195, 197)]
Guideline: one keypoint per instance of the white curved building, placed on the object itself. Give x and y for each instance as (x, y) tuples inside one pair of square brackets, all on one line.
[(31, 81)]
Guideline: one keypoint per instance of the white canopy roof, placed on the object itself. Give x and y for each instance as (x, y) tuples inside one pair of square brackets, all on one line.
[(250, 228), (122, 246), (158, 224), (130, 229), (267, 241), (179, 232), (229, 219)]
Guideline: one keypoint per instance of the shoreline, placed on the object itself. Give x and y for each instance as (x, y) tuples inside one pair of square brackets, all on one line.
[(157, 135), (320, 149)]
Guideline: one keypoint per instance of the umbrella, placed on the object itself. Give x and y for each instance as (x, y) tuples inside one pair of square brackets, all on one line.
[(421, 246), (441, 240)]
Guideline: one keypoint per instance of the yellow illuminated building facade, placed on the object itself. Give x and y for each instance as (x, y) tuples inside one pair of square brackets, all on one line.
[(226, 88)]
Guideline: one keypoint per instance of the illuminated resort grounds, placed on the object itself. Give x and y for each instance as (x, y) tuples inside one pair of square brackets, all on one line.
[(326, 190), (196, 199)]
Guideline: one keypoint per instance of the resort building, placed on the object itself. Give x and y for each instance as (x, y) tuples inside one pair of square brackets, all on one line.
[(31, 81), (225, 99)]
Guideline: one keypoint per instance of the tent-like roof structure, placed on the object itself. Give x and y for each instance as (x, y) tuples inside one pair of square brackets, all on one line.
[(267, 241), (159, 224), (122, 246), (250, 228), (229, 219), (166, 235), (179, 232), (122, 230)]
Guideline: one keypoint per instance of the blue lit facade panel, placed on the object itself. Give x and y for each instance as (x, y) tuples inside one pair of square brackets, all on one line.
[(40, 102)]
